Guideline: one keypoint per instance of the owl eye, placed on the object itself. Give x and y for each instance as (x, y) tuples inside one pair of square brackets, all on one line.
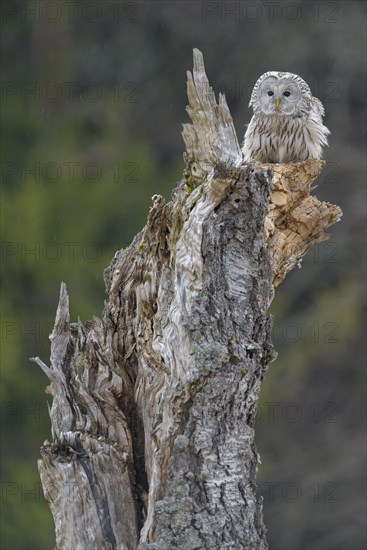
[(270, 93), (287, 94)]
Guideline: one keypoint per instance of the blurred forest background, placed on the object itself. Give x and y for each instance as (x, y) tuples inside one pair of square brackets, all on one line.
[(93, 97)]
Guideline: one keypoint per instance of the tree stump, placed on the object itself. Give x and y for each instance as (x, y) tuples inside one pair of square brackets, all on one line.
[(154, 404)]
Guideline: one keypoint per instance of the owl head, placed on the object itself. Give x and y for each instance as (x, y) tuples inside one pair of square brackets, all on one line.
[(280, 94)]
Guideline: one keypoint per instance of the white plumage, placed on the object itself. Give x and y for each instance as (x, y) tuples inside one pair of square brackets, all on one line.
[(287, 122)]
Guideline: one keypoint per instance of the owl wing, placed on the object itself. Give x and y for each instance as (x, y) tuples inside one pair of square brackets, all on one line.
[(316, 132), (317, 107)]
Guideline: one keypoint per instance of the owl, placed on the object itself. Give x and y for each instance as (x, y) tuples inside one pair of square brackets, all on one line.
[(287, 122)]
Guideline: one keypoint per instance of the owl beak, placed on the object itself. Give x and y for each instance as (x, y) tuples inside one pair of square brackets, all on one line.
[(277, 103)]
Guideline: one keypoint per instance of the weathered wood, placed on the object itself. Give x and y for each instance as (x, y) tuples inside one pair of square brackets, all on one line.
[(296, 221), (154, 404)]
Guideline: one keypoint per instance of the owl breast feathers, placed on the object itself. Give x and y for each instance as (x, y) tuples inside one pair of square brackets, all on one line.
[(287, 122)]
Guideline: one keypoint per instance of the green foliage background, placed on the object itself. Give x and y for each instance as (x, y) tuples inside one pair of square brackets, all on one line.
[(80, 163)]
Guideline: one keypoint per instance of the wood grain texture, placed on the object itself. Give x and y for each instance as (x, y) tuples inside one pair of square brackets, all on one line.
[(296, 221), (154, 404)]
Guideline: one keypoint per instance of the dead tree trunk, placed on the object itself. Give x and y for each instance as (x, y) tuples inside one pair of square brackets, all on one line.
[(154, 404)]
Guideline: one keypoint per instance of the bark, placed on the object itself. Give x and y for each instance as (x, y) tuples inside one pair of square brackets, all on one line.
[(154, 404)]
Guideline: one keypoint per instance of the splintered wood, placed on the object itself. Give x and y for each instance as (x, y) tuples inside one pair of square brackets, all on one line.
[(154, 404), (296, 220)]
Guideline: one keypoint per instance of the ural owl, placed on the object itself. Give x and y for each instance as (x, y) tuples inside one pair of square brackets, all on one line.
[(287, 122)]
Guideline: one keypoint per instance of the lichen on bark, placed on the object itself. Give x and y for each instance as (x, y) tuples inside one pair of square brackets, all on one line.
[(154, 404)]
